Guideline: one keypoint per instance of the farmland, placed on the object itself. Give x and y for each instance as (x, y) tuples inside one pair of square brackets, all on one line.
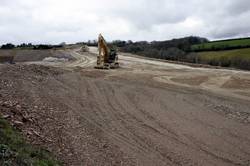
[(238, 58), (222, 45)]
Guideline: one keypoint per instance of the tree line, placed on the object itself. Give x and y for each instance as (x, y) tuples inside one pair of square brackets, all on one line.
[(30, 46), (176, 49)]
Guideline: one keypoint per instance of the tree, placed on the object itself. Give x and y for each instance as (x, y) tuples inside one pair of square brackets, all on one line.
[(8, 46)]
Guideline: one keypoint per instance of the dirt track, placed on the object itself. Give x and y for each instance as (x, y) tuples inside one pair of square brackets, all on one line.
[(145, 113)]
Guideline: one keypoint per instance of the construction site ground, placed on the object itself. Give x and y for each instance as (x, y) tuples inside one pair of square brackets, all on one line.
[(147, 112)]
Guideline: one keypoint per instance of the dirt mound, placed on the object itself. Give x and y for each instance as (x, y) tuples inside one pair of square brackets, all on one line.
[(52, 59), (237, 83), (34, 55)]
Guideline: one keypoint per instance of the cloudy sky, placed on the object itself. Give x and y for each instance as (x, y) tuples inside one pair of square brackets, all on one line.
[(55, 21)]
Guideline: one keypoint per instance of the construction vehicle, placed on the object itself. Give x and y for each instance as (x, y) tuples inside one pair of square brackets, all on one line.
[(84, 48), (107, 58)]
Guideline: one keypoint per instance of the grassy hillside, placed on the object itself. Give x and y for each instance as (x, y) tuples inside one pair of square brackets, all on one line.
[(15, 151), (222, 45), (226, 53), (239, 58)]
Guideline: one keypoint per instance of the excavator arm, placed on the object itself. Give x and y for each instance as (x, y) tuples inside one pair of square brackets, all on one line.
[(103, 49)]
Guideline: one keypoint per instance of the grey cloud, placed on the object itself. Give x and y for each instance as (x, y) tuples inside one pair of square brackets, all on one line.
[(238, 7), (55, 21)]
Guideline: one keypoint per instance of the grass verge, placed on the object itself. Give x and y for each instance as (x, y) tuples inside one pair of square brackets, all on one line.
[(14, 151)]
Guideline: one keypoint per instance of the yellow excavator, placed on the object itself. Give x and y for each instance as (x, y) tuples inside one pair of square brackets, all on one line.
[(107, 58)]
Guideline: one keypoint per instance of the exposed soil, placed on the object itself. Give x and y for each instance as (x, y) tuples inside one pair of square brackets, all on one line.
[(145, 113), (237, 83), (191, 80)]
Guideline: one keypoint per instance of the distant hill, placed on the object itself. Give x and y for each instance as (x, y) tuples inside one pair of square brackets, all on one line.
[(233, 53), (222, 45)]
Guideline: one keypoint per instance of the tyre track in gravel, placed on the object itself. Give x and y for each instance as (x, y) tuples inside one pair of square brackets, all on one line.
[(127, 137), (108, 114), (141, 122)]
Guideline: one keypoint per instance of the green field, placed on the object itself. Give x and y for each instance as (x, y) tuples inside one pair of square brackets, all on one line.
[(238, 58), (222, 45), (237, 53)]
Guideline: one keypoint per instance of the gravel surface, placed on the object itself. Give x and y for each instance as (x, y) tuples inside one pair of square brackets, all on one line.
[(145, 113)]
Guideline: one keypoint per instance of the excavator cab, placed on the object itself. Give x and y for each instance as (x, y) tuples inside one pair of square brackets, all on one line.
[(107, 58), (112, 55)]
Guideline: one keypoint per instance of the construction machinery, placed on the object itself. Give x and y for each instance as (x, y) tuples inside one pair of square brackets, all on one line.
[(107, 57), (84, 48)]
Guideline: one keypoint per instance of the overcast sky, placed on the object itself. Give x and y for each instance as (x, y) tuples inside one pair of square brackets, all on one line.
[(55, 21)]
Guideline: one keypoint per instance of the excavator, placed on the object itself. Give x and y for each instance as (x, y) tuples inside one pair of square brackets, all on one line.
[(107, 58)]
